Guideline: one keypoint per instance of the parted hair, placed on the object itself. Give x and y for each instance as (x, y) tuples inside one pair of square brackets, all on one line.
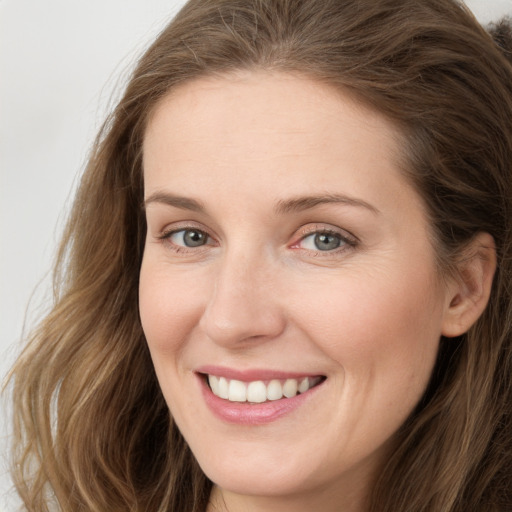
[(92, 430)]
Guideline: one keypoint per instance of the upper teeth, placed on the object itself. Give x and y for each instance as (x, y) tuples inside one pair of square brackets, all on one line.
[(257, 391)]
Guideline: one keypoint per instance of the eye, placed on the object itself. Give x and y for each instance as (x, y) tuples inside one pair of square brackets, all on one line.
[(188, 238), (318, 238), (322, 241)]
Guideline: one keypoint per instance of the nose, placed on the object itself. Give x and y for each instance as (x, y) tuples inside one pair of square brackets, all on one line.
[(243, 305)]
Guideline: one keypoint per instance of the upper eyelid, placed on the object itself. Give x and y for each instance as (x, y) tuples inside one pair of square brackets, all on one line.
[(299, 233), (313, 228), (166, 234), (345, 243), (184, 226), (173, 231), (165, 237)]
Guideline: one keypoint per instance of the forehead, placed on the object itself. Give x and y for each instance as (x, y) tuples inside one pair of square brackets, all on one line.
[(254, 128), (278, 100)]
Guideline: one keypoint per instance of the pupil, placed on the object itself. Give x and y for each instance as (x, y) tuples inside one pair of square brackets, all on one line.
[(194, 238), (327, 242)]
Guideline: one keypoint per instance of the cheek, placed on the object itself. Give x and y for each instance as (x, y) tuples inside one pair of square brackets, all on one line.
[(169, 307), (383, 333)]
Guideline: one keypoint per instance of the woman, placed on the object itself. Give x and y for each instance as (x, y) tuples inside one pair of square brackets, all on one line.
[(285, 283)]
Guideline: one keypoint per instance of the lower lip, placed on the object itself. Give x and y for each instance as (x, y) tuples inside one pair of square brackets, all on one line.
[(245, 413)]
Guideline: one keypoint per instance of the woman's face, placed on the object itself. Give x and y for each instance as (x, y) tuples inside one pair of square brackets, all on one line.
[(285, 250)]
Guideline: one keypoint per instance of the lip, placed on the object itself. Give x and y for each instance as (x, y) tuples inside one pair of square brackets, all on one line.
[(251, 375), (244, 413)]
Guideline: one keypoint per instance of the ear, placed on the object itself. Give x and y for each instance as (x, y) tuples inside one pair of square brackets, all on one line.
[(469, 291)]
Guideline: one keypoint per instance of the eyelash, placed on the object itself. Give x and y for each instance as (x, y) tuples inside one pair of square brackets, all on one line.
[(165, 237), (347, 240)]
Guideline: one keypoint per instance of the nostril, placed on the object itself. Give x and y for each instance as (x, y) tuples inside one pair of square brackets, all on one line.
[(241, 323)]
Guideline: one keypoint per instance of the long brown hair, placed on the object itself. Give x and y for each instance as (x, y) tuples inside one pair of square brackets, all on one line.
[(92, 429)]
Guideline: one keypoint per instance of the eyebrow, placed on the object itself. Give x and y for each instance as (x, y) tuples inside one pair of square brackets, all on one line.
[(282, 207), (307, 202), (183, 203)]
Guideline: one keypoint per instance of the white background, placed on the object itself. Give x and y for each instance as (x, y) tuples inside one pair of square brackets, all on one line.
[(61, 64)]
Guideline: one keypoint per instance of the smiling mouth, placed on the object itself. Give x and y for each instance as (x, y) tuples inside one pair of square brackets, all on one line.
[(260, 391)]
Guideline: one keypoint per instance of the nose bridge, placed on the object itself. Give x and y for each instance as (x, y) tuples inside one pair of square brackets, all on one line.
[(242, 304)]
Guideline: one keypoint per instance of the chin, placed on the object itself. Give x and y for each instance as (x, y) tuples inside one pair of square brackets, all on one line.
[(271, 480)]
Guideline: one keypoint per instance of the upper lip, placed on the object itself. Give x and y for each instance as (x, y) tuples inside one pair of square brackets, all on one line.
[(249, 375)]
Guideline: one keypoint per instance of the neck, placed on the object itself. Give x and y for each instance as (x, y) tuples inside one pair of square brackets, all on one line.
[(326, 500)]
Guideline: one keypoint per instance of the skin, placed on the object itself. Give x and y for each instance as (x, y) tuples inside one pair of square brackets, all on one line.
[(259, 294)]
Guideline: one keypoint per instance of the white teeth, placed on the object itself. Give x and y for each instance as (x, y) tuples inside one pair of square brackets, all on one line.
[(304, 385), (274, 390), (257, 391), (214, 384), (237, 391), (223, 388), (290, 388)]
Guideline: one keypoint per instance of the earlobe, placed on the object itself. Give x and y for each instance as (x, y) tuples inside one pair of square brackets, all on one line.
[(470, 289)]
